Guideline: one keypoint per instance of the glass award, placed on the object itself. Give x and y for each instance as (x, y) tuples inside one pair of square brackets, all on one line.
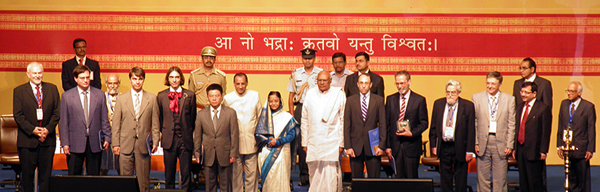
[(402, 126)]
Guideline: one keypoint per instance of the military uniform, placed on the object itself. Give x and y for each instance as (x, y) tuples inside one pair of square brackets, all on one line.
[(199, 81)]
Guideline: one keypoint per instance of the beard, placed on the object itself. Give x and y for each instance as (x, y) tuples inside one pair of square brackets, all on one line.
[(450, 101), (113, 91)]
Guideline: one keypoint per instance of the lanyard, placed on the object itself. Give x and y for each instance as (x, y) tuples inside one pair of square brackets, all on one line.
[(453, 109), (39, 99), (493, 108)]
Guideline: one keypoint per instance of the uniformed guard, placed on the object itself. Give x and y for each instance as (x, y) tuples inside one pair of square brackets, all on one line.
[(302, 79), (206, 75)]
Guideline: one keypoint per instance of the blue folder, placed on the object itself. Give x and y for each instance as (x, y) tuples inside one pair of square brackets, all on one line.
[(374, 139)]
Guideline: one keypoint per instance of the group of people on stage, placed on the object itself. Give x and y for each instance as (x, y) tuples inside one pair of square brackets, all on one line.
[(240, 141)]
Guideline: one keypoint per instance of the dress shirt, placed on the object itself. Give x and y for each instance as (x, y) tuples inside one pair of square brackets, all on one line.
[(339, 81), (81, 96), (35, 90), (455, 110), (212, 112), (531, 79)]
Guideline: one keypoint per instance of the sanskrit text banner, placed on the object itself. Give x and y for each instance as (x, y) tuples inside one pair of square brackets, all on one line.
[(447, 44)]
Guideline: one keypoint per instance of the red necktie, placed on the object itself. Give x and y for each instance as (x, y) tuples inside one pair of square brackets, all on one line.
[(522, 127), (80, 61), (402, 109), (174, 103), (38, 96)]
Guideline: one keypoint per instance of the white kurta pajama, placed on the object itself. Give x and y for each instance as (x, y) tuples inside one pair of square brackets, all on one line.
[(323, 129), (247, 107)]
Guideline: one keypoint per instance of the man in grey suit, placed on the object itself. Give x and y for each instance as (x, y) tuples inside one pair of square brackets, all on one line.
[(495, 133), (364, 112), (136, 119), (84, 127), (216, 138), (580, 115)]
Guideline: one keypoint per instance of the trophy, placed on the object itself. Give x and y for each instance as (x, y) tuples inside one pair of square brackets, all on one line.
[(566, 149), (402, 126)]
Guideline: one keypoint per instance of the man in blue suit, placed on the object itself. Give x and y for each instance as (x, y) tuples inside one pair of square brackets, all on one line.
[(84, 128)]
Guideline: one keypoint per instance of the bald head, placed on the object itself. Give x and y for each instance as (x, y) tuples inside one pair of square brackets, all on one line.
[(112, 83), (324, 80)]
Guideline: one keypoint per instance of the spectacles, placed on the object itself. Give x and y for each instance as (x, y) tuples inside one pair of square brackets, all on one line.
[(570, 91), (453, 93), (525, 92), (523, 68)]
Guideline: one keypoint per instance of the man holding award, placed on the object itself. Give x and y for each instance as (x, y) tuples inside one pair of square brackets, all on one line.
[(406, 113), (364, 115)]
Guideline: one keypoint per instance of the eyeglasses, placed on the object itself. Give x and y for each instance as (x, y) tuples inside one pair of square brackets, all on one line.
[(523, 68), (570, 91), (526, 92), (453, 93)]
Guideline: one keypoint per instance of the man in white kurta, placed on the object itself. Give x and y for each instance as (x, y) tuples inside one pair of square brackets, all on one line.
[(246, 104), (323, 129)]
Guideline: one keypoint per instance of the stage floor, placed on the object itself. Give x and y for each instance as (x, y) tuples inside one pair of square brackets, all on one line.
[(555, 178)]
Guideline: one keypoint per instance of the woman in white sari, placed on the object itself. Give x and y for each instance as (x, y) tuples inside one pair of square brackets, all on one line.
[(275, 130)]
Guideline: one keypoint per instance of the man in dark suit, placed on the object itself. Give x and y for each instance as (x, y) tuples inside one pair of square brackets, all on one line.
[(363, 113), (405, 145), (36, 111), (452, 136), (580, 115), (362, 65), (84, 126), (218, 143), (80, 46), (528, 72), (177, 115), (532, 139)]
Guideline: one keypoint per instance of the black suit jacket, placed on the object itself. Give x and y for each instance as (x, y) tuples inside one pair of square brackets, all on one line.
[(350, 87), (187, 110), (356, 131), (464, 133), (583, 127), (416, 114), (537, 130), (24, 111), (544, 92), (68, 80)]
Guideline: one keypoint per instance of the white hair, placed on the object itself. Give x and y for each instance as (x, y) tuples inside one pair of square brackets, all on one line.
[(579, 86), (454, 83), (31, 65)]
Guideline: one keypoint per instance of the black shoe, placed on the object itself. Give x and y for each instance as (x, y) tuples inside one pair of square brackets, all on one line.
[(303, 183)]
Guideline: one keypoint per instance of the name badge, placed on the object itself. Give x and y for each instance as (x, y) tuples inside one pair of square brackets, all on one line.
[(91, 75), (493, 125), (448, 133), (567, 137), (40, 114)]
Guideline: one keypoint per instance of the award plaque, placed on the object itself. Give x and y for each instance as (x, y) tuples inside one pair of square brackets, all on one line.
[(402, 126)]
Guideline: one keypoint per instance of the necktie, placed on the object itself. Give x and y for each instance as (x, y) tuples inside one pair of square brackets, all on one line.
[(80, 61), (136, 105), (522, 126), (572, 109), (449, 116), (214, 119), (86, 112), (493, 111), (174, 101), (402, 108), (38, 95), (364, 108)]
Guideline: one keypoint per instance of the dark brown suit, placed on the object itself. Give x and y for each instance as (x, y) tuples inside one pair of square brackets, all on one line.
[(217, 146), (356, 133), (544, 92), (177, 143), (584, 138), (537, 140), (452, 154), (32, 152), (350, 87)]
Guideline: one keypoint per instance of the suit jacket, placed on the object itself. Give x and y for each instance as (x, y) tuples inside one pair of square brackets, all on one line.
[(126, 127), (73, 125), (505, 121), (24, 112), (464, 127), (544, 92), (68, 80), (356, 131), (350, 87), (187, 111), (583, 127), (537, 130), (416, 114), (223, 142)]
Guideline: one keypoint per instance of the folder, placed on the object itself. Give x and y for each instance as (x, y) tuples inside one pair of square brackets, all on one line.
[(374, 140)]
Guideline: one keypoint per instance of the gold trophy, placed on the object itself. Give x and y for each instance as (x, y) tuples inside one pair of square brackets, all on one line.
[(403, 126), (566, 149)]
